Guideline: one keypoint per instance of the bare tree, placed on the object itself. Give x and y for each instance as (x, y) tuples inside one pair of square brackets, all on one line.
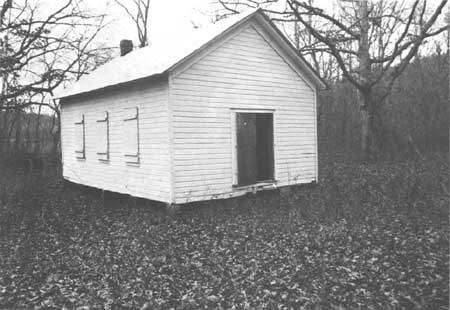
[(38, 53), (30, 42), (382, 38), (371, 43), (139, 15), (231, 7)]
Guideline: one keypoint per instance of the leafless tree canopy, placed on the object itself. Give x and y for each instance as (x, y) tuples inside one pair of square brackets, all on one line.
[(370, 42), (40, 49), (138, 11), (37, 50)]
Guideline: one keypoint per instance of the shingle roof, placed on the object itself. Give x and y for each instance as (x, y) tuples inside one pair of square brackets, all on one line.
[(150, 60), (160, 58)]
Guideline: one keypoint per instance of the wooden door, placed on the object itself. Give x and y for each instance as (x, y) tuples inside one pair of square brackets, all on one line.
[(246, 148)]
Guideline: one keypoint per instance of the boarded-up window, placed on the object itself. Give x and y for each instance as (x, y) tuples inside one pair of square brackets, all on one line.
[(79, 137), (131, 135), (102, 136)]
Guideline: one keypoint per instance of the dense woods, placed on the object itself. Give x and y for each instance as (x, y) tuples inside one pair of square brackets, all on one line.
[(30, 133), (413, 121), (41, 47)]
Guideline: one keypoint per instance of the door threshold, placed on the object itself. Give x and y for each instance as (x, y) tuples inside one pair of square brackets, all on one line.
[(257, 184)]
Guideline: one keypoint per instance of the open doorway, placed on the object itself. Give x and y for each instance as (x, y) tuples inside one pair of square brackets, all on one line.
[(254, 144)]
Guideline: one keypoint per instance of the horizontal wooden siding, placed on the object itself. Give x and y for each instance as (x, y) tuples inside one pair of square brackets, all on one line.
[(151, 177), (245, 72)]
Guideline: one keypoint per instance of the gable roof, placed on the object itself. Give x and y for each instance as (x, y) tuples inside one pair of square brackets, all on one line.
[(160, 58)]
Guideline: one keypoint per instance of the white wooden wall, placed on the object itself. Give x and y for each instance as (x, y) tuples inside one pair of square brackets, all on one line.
[(245, 72), (151, 177)]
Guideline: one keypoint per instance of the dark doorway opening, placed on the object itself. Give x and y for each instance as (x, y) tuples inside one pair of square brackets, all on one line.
[(254, 147)]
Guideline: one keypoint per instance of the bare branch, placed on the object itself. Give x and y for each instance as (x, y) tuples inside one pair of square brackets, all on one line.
[(333, 49)]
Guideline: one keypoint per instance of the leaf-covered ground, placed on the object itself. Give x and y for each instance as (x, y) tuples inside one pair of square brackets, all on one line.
[(372, 236)]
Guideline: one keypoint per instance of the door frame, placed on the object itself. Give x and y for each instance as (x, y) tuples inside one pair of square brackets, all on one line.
[(233, 112)]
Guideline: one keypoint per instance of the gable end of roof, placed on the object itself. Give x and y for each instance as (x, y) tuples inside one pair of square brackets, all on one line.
[(281, 39), (275, 34)]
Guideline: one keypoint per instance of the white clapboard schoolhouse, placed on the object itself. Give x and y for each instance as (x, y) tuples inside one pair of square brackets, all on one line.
[(232, 109)]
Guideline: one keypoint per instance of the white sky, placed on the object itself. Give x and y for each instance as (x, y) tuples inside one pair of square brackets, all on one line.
[(170, 17), (167, 18)]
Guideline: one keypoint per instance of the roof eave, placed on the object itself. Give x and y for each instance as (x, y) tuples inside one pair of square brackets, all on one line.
[(115, 86)]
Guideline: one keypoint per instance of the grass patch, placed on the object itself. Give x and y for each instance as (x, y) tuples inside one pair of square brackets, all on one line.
[(368, 236)]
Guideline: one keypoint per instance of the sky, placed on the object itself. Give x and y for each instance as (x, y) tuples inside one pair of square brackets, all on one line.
[(167, 18), (170, 17)]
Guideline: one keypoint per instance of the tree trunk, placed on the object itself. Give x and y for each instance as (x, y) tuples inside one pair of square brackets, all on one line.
[(364, 76), (18, 133), (37, 140), (366, 124), (28, 143), (56, 134), (11, 123), (4, 132)]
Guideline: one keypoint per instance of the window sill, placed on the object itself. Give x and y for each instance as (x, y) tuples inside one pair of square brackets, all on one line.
[(103, 157), (132, 164)]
